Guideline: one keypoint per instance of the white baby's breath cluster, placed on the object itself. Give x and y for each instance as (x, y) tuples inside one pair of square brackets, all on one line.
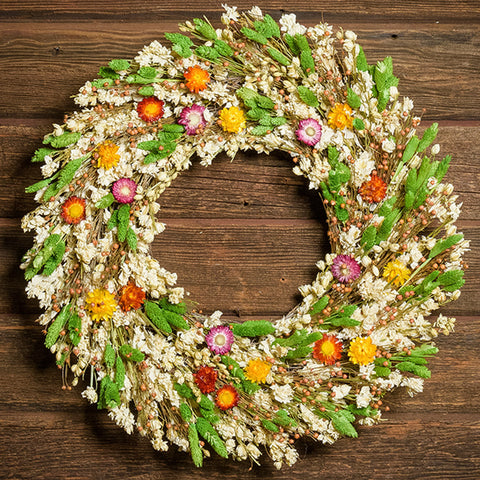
[(115, 316)]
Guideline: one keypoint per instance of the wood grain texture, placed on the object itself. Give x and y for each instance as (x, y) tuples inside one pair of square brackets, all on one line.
[(241, 235)]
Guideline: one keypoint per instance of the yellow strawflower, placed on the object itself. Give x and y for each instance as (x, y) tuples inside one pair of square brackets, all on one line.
[(257, 370), (107, 155), (396, 272), (233, 119), (340, 116), (362, 351), (101, 304)]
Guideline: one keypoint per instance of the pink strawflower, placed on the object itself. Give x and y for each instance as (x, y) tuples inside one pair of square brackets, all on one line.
[(124, 190), (309, 131), (192, 118), (345, 269), (219, 340)]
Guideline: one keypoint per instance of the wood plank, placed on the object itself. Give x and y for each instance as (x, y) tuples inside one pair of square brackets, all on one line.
[(38, 417), (252, 186), (241, 267), (427, 11), (61, 59)]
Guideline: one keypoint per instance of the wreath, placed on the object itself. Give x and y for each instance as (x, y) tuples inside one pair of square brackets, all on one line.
[(114, 317)]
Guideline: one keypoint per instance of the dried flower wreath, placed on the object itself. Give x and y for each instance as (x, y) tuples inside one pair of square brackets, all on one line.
[(180, 377)]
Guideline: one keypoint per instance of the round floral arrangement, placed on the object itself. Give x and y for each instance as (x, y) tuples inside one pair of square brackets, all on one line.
[(114, 317)]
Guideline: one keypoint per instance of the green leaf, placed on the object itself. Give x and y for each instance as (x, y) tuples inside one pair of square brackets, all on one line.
[(223, 48), (308, 96), (292, 44), (206, 403), (146, 91), (267, 424), (150, 145), (103, 82), (179, 39), (381, 371), (183, 390), (109, 356), (249, 387), (254, 36), (358, 124), (57, 325), (105, 201), (152, 157), (179, 308), (206, 52), (278, 56), (442, 245), (282, 418), (185, 412), (353, 99), (410, 149), (261, 130), (302, 43), (173, 128), (68, 172), (113, 220), (428, 137), (131, 239), (112, 395), (131, 354), (209, 415), (234, 368), (41, 153), (343, 322), (319, 306), (154, 313), (119, 373), (205, 29), (368, 238), (107, 72), (123, 221), (306, 61), (195, 449), (361, 61), (175, 320), (39, 185), (65, 139), (148, 72), (253, 328), (74, 329), (300, 352), (343, 425), (119, 65), (206, 430), (443, 168)]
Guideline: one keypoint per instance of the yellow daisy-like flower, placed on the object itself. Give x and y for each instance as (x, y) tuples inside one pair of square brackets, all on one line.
[(107, 155), (257, 370), (233, 119), (362, 351), (340, 116), (101, 304), (396, 272)]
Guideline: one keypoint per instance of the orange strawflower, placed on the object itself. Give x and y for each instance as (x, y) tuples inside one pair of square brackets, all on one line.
[(150, 109), (227, 397), (374, 190), (328, 349), (73, 210), (197, 79), (340, 116), (107, 155), (205, 379), (131, 297)]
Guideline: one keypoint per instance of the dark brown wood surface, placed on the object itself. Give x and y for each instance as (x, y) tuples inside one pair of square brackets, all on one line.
[(241, 235)]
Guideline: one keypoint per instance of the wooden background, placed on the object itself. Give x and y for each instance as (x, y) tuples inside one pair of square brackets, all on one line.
[(242, 236)]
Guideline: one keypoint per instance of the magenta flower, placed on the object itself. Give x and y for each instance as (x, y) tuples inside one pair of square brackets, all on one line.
[(124, 190), (309, 131), (219, 340), (192, 118), (345, 269)]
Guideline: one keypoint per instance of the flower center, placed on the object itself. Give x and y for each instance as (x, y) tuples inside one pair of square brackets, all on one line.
[(310, 131), (328, 348), (151, 109), (125, 190), (220, 340), (194, 119), (75, 211)]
